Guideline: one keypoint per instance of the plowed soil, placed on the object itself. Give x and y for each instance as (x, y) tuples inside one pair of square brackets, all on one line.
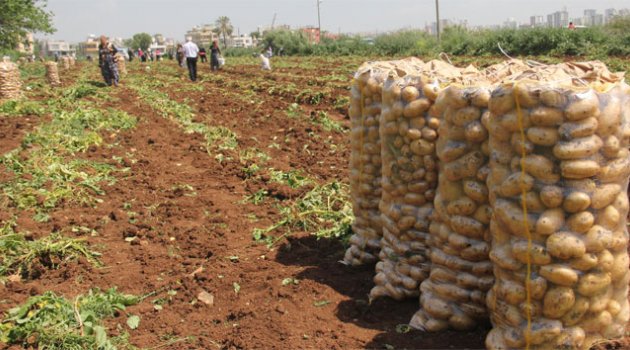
[(194, 231)]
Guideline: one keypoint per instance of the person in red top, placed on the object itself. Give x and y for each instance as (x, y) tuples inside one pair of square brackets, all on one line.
[(571, 25)]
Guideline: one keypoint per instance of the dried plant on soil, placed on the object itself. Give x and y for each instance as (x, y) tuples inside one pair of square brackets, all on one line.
[(325, 212), (53, 322)]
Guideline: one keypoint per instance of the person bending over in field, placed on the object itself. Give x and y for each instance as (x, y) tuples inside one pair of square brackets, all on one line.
[(215, 52), (107, 62), (180, 55), (191, 50)]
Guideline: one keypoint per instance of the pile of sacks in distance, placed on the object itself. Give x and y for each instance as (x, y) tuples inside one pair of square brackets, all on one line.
[(10, 82), (498, 194)]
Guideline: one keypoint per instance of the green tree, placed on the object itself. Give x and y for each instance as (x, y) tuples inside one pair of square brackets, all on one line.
[(224, 27), (141, 41), (18, 17)]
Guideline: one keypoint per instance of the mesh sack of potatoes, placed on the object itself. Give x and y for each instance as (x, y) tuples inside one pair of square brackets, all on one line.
[(120, 62), (558, 181), (65, 61), (409, 178), (365, 158), (72, 61), (52, 73), (453, 296), (10, 82)]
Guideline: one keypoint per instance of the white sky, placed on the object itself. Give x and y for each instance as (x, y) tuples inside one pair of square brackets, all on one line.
[(75, 19)]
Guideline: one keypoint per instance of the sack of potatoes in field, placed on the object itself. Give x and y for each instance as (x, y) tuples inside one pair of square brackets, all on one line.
[(559, 168), (120, 62), (10, 82), (65, 61), (365, 157), (454, 294), (409, 178), (52, 73)]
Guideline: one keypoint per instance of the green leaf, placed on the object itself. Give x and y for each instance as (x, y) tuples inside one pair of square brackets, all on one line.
[(133, 321), (321, 303)]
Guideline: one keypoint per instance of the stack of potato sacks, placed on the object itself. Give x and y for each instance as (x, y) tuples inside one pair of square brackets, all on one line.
[(52, 73), (365, 157), (529, 222), (558, 189), (10, 82), (65, 61)]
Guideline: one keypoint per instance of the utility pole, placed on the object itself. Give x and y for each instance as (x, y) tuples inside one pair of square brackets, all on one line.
[(319, 21), (437, 18)]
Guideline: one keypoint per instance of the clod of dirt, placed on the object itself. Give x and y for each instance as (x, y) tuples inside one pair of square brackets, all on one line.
[(281, 309), (206, 298)]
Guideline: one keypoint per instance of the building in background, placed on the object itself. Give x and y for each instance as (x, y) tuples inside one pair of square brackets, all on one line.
[(312, 34), (60, 48), (203, 35), (510, 23), (558, 19), (89, 47), (537, 21), (244, 41)]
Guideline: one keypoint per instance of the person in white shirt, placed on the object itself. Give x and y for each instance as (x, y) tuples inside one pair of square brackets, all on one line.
[(191, 51)]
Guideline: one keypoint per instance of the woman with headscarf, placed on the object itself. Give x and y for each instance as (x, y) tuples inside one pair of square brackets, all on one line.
[(215, 52), (107, 61)]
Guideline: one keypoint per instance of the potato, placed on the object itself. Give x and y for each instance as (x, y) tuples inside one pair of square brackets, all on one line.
[(477, 191), (501, 101), (609, 218), (538, 254), (605, 261), (543, 136), (599, 302), (597, 322), (511, 215), (431, 91), (462, 206), (455, 97), (577, 311), (516, 184), (582, 105), (619, 268), (550, 221), (551, 196), (597, 239), (571, 338), (584, 262), (553, 98), (495, 340), (466, 115), (416, 108), (460, 321), (511, 292), (546, 116), (580, 169), (576, 201), (577, 148), (435, 307), (565, 245), (543, 331), (467, 226), (541, 168), (503, 258), (611, 147), (610, 118), (583, 128), (604, 195), (410, 93), (475, 132), (559, 274), (558, 301), (466, 166), (514, 121), (581, 222), (615, 170), (480, 97), (593, 283), (521, 145), (452, 292), (452, 150)]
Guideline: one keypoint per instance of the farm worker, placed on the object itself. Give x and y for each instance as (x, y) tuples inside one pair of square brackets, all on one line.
[(215, 52), (269, 52), (202, 55), (266, 65), (180, 55), (141, 55), (106, 53), (191, 51), (571, 25)]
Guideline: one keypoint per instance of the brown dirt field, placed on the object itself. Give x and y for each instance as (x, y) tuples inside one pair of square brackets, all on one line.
[(201, 241)]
